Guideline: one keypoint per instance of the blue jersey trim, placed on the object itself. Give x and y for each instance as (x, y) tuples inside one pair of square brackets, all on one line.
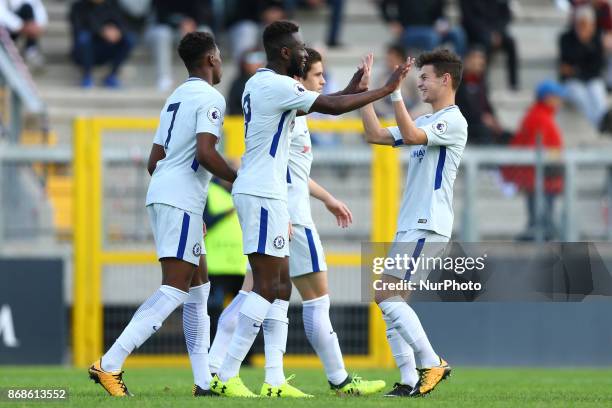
[(195, 165), (288, 176), (277, 135), (263, 231), (440, 168), (314, 258), (417, 252), (183, 239)]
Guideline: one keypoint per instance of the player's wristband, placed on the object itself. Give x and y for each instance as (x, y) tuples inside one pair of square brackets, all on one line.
[(396, 96)]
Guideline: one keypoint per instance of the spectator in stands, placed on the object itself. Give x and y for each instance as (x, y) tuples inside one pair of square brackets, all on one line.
[(335, 16), (473, 101), (396, 55), (486, 24), (603, 14), (99, 37), (171, 21), (245, 18), (249, 63), (421, 24), (539, 122), (25, 19), (581, 64)]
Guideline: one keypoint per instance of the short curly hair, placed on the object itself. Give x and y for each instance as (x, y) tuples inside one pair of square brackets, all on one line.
[(194, 46), (443, 61), (277, 35)]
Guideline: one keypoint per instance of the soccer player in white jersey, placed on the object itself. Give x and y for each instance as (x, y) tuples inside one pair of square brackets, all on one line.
[(182, 159), (270, 101), (307, 266), (436, 142)]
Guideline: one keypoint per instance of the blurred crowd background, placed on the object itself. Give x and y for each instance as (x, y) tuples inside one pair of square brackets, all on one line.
[(534, 70)]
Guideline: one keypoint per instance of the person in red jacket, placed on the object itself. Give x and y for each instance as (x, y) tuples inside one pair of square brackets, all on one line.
[(540, 121)]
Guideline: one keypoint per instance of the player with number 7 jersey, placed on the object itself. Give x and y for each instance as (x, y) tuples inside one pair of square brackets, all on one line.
[(181, 161)]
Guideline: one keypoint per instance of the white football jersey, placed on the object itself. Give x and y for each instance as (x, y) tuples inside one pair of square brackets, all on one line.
[(269, 102), (428, 196), (298, 173), (179, 180)]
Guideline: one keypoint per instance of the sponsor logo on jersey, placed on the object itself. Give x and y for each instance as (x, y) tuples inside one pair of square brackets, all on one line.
[(197, 249), (439, 127), (214, 115), (299, 89), (422, 221), (419, 154), (279, 242), (306, 149)]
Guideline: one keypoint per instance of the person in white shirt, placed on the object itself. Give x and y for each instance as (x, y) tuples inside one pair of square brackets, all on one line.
[(271, 101), (25, 19), (436, 142), (182, 159), (307, 269)]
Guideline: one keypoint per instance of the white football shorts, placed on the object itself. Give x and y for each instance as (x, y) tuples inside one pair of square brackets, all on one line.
[(264, 223), (306, 251), (177, 233), (416, 243)]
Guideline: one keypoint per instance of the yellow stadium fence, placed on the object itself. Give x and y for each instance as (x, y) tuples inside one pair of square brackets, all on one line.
[(90, 257)]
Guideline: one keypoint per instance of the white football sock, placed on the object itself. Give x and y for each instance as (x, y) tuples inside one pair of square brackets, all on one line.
[(225, 330), (146, 321), (275, 327), (250, 319), (408, 325), (323, 339), (402, 354), (196, 326)]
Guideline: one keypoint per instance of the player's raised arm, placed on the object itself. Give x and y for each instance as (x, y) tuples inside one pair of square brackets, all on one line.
[(374, 133), (343, 215), (360, 80), (337, 105), (411, 134)]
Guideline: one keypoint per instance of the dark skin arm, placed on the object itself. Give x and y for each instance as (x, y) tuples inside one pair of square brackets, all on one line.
[(208, 156), (353, 86), (337, 105), (157, 153)]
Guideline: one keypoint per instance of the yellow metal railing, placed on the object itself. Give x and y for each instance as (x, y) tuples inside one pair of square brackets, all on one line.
[(90, 257)]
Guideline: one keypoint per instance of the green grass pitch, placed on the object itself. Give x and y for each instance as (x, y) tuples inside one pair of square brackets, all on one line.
[(467, 387)]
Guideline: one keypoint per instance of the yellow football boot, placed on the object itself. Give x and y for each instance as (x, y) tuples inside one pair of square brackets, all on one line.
[(112, 382)]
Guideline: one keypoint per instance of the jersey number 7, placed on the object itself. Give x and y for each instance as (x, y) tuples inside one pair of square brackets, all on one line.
[(173, 107)]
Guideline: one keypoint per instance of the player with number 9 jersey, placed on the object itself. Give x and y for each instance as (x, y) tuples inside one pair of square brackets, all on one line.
[(270, 101)]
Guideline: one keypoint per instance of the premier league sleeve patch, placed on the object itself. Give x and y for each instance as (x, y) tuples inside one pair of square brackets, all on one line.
[(298, 89), (439, 127), (214, 115)]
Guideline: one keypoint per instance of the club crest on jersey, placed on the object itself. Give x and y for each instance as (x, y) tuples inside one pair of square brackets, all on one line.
[(197, 249), (279, 242), (299, 89), (214, 115), (439, 127)]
